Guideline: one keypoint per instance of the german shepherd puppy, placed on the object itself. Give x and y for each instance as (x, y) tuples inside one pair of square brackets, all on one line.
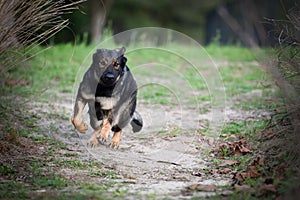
[(110, 91)]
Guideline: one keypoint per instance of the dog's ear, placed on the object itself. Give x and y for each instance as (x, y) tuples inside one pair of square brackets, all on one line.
[(97, 56), (121, 50), (123, 61)]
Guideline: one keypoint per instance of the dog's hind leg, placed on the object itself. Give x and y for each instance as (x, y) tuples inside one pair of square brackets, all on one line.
[(136, 122), (77, 117)]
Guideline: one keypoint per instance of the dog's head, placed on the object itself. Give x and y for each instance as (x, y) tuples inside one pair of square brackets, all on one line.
[(109, 65)]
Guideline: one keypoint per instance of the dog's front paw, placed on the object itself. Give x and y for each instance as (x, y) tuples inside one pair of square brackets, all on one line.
[(82, 128), (80, 125), (104, 136), (115, 141), (93, 142)]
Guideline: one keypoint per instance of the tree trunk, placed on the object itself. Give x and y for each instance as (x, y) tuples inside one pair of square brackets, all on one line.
[(99, 10), (255, 21), (247, 38)]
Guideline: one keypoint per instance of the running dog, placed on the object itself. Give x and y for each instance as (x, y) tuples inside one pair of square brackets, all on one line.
[(110, 91)]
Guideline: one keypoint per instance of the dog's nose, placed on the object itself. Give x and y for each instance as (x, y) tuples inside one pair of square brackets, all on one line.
[(109, 76)]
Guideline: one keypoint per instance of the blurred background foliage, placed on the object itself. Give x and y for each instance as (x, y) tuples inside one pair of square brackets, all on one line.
[(229, 21)]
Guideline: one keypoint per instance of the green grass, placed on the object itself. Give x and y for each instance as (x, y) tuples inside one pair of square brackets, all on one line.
[(39, 178), (110, 174), (56, 69), (157, 94), (246, 129), (78, 164), (241, 79), (20, 191), (260, 103), (231, 53), (174, 131), (6, 170)]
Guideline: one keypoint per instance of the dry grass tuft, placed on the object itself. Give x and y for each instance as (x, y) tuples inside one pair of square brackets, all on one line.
[(27, 23)]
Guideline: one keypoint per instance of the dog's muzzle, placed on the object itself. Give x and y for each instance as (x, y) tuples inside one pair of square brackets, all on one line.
[(108, 78)]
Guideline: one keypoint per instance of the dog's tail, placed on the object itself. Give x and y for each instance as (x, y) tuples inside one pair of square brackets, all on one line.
[(136, 122)]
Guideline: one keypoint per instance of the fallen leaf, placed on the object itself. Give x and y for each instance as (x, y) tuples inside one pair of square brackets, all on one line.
[(128, 176), (281, 169), (228, 163), (240, 147), (268, 134), (15, 82), (221, 148), (23, 83), (237, 152), (242, 187), (238, 178), (202, 187), (244, 149), (11, 82), (180, 178), (229, 137), (251, 172), (225, 171), (196, 173), (266, 188), (277, 111), (259, 161), (211, 141)]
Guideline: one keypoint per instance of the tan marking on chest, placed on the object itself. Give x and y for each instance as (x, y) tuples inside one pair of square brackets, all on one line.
[(106, 103)]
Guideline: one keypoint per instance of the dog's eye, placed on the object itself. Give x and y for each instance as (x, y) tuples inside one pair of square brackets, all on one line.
[(115, 64), (103, 62)]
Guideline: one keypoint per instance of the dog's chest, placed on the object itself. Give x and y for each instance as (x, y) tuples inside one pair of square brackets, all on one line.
[(104, 96), (106, 103)]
